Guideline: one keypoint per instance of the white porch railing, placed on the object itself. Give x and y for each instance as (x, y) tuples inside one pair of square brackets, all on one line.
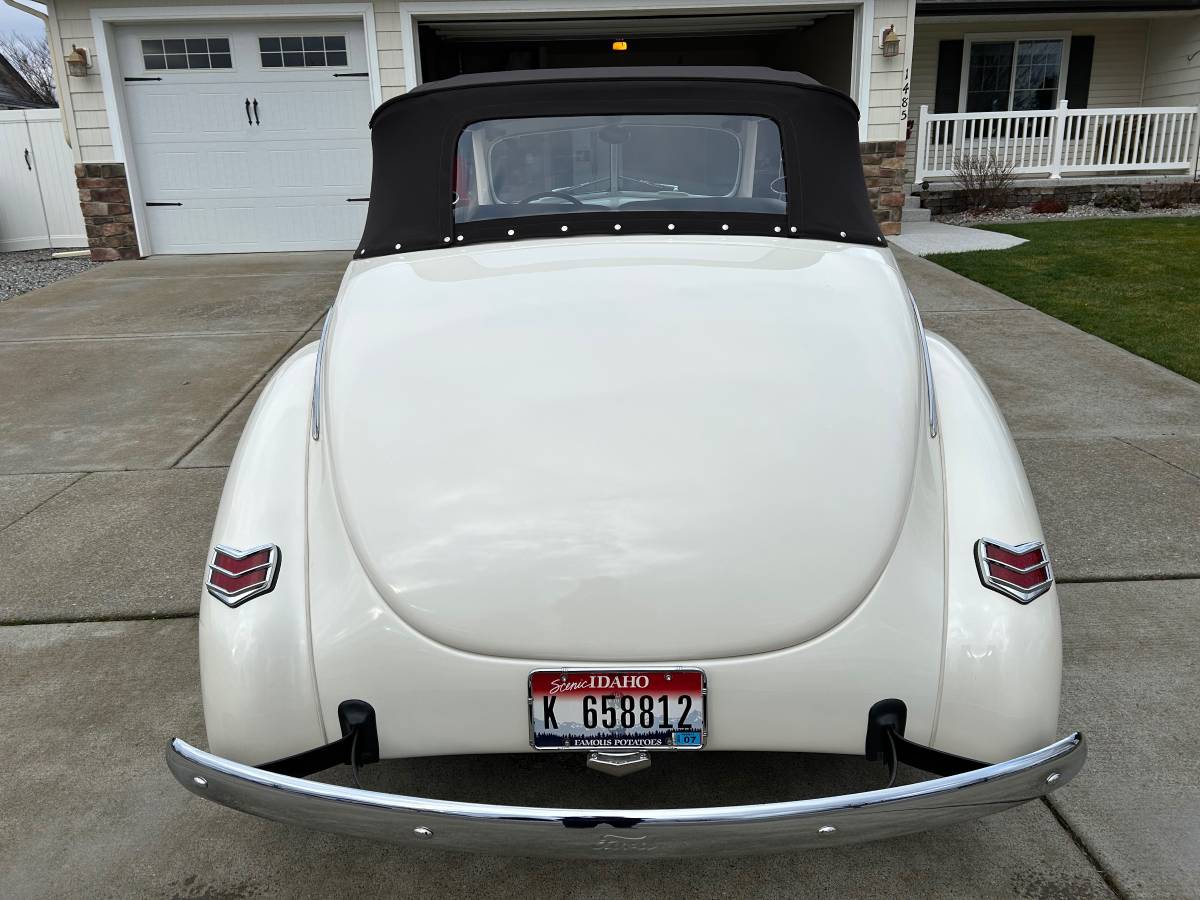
[(1062, 140)]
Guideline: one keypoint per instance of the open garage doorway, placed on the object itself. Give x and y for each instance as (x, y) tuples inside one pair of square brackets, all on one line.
[(820, 43)]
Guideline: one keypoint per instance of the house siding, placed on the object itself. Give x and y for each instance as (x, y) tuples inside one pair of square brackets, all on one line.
[(1117, 65), (1171, 80), (89, 122), (884, 122)]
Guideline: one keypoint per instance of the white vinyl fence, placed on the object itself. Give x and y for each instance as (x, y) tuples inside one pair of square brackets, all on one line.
[(39, 203), (1062, 141)]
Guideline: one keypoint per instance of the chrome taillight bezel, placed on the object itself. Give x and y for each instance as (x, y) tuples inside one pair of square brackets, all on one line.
[(263, 585), (1022, 594)]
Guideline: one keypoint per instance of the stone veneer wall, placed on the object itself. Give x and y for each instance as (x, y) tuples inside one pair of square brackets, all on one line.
[(883, 169), (946, 199), (107, 214)]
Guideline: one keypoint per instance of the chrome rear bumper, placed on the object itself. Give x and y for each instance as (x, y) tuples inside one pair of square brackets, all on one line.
[(536, 831)]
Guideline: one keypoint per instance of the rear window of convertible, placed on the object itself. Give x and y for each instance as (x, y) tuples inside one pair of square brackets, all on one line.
[(506, 168)]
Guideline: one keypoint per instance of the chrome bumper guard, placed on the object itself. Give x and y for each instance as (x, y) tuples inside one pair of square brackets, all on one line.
[(643, 833)]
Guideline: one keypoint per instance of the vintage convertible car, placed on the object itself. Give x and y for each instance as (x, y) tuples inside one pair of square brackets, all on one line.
[(623, 437)]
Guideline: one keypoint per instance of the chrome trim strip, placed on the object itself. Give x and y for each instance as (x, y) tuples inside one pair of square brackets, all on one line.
[(930, 395), (605, 833), (213, 567), (264, 586), (1031, 593), (316, 395), (1019, 571), (1013, 591)]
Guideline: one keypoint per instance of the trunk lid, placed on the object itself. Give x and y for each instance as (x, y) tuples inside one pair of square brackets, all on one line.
[(624, 449)]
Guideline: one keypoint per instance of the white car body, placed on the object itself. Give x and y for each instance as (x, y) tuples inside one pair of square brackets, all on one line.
[(737, 453), (790, 519)]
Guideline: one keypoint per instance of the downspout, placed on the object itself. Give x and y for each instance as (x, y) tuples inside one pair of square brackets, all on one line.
[(55, 46)]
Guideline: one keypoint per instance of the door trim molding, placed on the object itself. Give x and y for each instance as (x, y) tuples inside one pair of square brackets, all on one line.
[(106, 20)]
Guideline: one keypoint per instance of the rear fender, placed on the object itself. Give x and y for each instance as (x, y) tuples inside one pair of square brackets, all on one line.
[(1002, 669), (256, 666)]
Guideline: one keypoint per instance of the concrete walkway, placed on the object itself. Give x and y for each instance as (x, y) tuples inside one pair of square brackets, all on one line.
[(924, 238), (123, 395)]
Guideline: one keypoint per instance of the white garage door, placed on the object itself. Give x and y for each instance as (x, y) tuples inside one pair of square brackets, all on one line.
[(249, 136)]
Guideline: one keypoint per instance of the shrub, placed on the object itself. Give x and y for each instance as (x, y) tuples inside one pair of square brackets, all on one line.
[(985, 180), (1126, 198), (1049, 205), (1176, 195)]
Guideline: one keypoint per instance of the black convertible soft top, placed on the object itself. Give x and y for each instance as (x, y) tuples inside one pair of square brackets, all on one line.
[(415, 136)]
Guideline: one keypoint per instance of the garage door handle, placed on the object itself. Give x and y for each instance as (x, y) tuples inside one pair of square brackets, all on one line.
[(256, 122), (28, 164), (249, 121)]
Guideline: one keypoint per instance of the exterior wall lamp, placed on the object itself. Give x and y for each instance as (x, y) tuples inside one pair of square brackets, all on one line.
[(77, 62), (889, 41)]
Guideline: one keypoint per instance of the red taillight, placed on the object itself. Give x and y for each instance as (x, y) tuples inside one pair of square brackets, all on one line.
[(1022, 572), (235, 576)]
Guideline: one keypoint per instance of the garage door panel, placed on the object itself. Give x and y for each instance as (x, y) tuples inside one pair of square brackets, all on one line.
[(276, 181), (336, 169), (342, 109), (174, 174), (186, 113), (281, 168), (248, 227), (246, 65), (313, 222)]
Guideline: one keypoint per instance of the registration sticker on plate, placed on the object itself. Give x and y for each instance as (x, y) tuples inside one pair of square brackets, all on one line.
[(645, 709)]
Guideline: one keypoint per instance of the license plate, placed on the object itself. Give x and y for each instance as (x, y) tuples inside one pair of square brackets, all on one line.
[(642, 709)]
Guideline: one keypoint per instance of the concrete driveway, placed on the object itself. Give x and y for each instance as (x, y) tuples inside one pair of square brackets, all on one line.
[(122, 393)]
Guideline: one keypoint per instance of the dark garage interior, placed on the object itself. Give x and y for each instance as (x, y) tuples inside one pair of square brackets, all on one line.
[(819, 44)]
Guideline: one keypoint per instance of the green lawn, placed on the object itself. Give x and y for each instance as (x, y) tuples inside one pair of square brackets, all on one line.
[(1134, 282)]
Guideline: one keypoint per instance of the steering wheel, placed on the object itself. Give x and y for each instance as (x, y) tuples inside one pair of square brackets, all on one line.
[(555, 195)]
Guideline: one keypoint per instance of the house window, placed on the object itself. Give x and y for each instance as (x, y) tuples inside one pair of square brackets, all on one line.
[(302, 52), (186, 53), (1023, 74)]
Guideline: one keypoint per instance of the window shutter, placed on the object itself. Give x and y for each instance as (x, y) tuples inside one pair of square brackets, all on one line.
[(1079, 71), (949, 75)]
